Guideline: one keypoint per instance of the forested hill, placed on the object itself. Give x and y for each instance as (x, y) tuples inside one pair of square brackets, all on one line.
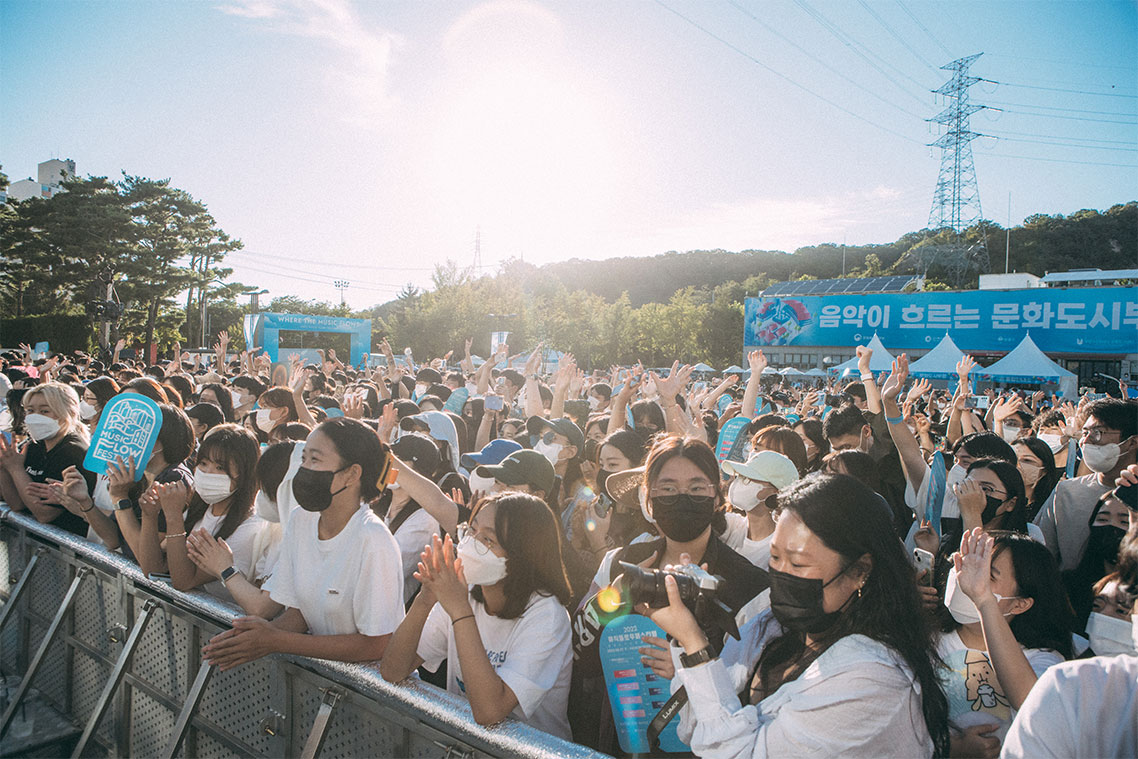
[(1085, 239)]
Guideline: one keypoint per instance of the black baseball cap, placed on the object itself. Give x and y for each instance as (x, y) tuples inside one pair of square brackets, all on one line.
[(522, 468)]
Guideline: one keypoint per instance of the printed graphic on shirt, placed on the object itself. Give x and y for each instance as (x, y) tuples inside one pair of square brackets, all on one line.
[(497, 659), (973, 686)]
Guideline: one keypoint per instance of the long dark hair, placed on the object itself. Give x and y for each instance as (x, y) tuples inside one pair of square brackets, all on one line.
[(235, 448), (1016, 519), (528, 530), (812, 428), (843, 513), (224, 398), (1047, 480), (1049, 621)]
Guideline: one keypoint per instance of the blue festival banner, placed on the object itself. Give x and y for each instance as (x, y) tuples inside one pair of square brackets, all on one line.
[(1059, 320), (128, 426), (636, 693)]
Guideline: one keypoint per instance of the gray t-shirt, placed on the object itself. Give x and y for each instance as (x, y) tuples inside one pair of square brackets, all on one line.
[(1065, 518)]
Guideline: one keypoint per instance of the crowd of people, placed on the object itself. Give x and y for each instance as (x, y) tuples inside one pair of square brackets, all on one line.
[(900, 572)]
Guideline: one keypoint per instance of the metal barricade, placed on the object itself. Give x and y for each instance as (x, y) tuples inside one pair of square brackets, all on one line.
[(119, 654)]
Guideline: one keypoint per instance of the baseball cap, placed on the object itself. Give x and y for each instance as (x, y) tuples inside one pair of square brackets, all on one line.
[(491, 453), (419, 451), (765, 466), (622, 486), (522, 468), (564, 426)]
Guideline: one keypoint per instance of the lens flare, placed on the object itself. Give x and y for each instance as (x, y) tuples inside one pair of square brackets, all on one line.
[(608, 599)]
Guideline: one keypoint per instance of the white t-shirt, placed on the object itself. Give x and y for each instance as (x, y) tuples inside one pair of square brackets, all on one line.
[(244, 543), (1084, 708), (533, 655), (351, 583), (412, 536), (975, 696)]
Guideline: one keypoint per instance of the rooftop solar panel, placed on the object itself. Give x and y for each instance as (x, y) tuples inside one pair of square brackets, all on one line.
[(888, 284)]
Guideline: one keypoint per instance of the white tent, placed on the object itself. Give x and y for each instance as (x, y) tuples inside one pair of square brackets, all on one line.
[(790, 371), (815, 372), (702, 368), (880, 361), (1026, 364), (770, 370), (733, 370), (940, 362)]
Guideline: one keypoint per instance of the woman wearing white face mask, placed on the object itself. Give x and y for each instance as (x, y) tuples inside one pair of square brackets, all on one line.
[(58, 440), (752, 491), (95, 395), (218, 506), (493, 608), (1011, 621), (1036, 464)]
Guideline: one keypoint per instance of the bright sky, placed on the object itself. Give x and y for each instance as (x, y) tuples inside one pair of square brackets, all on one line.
[(368, 141)]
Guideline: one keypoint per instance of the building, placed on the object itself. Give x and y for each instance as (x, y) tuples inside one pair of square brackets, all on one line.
[(1086, 321), (49, 176)]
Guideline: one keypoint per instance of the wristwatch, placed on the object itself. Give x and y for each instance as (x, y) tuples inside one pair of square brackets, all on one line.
[(227, 573), (123, 504), (699, 657)]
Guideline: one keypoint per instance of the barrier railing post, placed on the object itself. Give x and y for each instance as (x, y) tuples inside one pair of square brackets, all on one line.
[(14, 597), (115, 677), (320, 725), (186, 716), (45, 644)]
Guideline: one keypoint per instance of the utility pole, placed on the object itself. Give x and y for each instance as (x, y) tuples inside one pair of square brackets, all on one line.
[(341, 285), (1008, 236), (956, 200), (477, 250), (108, 277)]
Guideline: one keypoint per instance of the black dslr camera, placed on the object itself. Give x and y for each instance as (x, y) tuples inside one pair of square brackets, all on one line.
[(697, 590)]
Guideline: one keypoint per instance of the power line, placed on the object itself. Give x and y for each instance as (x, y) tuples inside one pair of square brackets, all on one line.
[(311, 262), (924, 28), (1063, 89), (894, 34), (1065, 110), (820, 62), (1058, 161), (1063, 144), (1059, 137), (1062, 63), (784, 77), (1058, 116), (850, 43)]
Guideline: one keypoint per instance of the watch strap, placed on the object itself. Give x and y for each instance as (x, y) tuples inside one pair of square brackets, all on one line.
[(699, 657), (123, 504), (227, 573)]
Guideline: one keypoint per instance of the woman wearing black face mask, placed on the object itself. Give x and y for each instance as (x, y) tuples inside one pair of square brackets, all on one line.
[(684, 499), (842, 663), (1109, 522), (337, 589)]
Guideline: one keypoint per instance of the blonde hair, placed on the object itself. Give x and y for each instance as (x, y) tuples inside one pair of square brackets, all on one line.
[(64, 403)]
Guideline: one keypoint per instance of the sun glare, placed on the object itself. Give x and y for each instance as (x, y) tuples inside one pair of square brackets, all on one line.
[(523, 152)]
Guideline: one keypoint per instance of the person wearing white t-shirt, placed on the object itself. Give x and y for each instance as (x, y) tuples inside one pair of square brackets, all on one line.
[(338, 584), (493, 608), (1011, 623), (220, 504), (411, 525)]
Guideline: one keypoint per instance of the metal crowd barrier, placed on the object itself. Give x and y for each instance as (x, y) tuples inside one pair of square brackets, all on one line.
[(119, 655)]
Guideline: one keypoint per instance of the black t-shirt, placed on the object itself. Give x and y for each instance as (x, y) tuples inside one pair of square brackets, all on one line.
[(43, 465)]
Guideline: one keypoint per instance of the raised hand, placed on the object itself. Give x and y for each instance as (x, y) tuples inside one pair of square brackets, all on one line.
[(120, 477), (919, 390), (353, 406), (11, 457), (965, 365), (864, 354), (974, 565), (897, 378), (674, 384), (440, 573), (757, 361)]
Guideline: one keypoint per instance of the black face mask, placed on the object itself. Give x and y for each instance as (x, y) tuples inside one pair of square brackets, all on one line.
[(312, 488), (796, 602), (1104, 542), (991, 505), (602, 476), (683, 517)]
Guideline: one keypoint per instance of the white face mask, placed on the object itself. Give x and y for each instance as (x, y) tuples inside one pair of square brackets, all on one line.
[(594, 403), (87, 411), (744, 494), (480, 565), (212, 487), (551, 451), (959, 605), (264, 420), (41, 427), (1110, 636), (481, 484), (420, 389), (393, 486), (1054, 441), (263, 504), (1101, 458), (956, 475), (1010, 432)]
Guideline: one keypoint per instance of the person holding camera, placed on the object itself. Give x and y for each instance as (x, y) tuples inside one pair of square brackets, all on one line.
[(842, 664)]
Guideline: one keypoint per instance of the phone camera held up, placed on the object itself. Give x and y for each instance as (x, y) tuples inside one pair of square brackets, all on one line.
[(697, 590)]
